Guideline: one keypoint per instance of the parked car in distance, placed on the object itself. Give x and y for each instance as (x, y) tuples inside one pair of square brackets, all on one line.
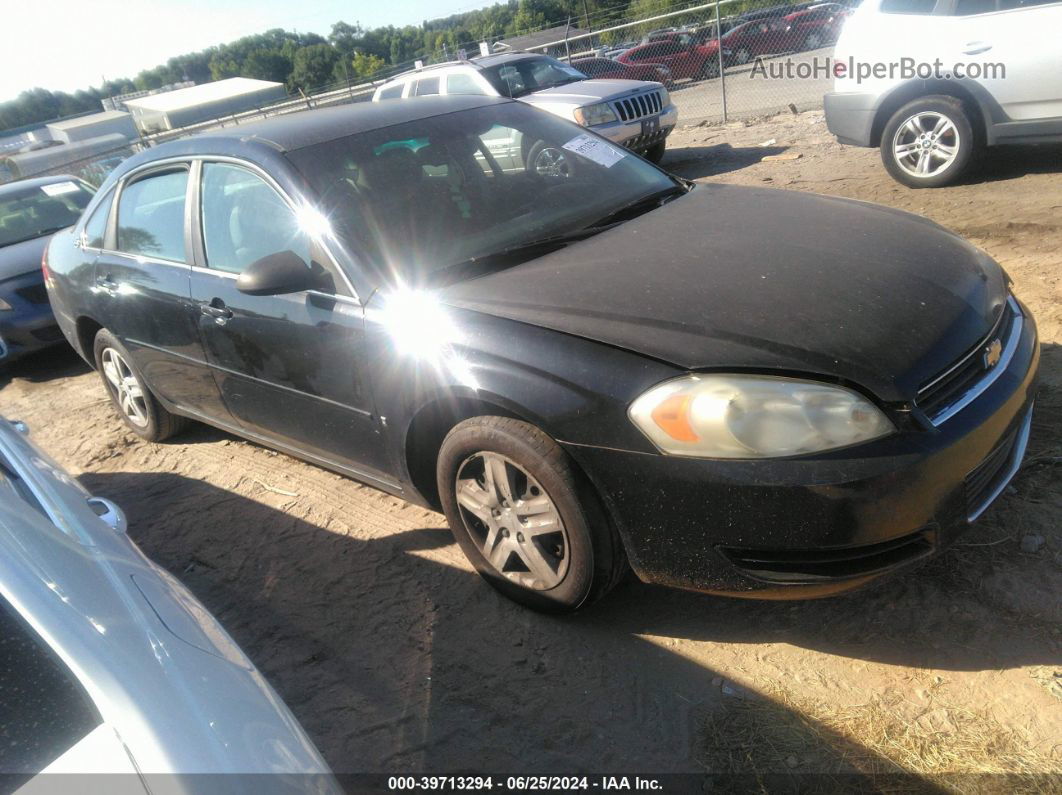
[(636, 114), (999, 83), (111, 665), (686, 55), (585, 368), (609, 69), (30, 211)]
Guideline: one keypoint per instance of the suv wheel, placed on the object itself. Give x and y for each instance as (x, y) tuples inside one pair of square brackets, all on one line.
[(138, 408), (928, 143), (548, 161), (523, 516), (655, 153)]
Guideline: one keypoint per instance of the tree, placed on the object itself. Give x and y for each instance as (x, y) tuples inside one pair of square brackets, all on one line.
[(365, 65), (313, 66), (267, 65)]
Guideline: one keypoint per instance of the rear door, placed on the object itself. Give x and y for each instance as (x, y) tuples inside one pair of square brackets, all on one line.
[(142, 281), (289, 367)]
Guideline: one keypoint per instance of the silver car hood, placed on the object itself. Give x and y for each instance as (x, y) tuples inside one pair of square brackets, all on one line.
[(586, 91)]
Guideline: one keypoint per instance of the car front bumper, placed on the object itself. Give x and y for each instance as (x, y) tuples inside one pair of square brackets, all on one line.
[(850, 116), (813, 526), (29, 325), (643, 134)]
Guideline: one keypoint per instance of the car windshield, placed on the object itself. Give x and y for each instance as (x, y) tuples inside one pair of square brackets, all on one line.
[(415, 199), (517, 78), (27, 213)]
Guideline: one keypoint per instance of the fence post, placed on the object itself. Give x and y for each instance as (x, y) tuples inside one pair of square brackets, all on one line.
[(719, 54)]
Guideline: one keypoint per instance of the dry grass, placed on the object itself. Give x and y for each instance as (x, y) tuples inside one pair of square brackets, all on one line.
[(906, 748)]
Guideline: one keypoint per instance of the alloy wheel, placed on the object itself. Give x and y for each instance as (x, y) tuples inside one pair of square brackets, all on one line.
[(551, 162), (742, 56), (128, 393), (513, 521), (814, 41), (926, 144)]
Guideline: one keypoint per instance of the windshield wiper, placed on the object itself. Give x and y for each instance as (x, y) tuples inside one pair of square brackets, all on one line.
[(514, 255), (643, 204)]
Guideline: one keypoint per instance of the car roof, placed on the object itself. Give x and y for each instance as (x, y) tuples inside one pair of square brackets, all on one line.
[(294, 131), (23, 184), (478, 62)]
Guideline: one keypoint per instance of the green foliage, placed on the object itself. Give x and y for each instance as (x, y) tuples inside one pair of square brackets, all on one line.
[(366, 65), (313, 66)]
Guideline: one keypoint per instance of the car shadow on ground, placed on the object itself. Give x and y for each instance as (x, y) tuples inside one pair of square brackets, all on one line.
[(61, 361), (397, 659), (695, 162), (1013, 162)]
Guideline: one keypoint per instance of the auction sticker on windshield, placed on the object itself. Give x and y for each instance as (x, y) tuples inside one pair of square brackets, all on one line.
[(59, 188), (595, 149)]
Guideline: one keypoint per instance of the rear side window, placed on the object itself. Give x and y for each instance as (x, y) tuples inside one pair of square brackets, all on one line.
[(95, 230), (459, 83), (151, 216), (45, 711), (392, 92), (1008, 5), (907, 6), (966, 8), (426, 86)]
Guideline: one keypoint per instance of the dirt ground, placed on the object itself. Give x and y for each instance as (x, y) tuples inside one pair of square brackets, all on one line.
[(396, 658)]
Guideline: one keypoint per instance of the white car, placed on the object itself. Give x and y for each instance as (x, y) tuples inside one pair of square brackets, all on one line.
[(109, 665), (978, 73), (637, 114)]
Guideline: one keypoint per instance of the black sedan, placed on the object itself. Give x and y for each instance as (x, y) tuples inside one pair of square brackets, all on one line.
[(30, 211), (744, 391)]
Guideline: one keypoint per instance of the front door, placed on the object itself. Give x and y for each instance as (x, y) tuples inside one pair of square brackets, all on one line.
[(289, 367)]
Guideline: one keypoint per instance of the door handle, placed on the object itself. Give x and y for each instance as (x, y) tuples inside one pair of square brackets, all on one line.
[(107, 283), (217, 310), (976, 47)]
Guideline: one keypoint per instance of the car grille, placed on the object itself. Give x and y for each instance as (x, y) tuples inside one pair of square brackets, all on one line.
[(955, 388), (810, 565), (35, 294), (992, 475), (637, 107)]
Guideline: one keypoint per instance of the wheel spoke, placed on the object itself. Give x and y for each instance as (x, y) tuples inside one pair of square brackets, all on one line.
[(923, 162), (499, 555), (906, 150), (945, 151), (536, 564), (500, 479), (534, 506), (132, 388), (540, 527), (942, 126), (913, 126), (110, 371), (475, 500)]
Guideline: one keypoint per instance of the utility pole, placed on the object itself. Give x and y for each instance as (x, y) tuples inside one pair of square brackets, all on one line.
[(719, 54)]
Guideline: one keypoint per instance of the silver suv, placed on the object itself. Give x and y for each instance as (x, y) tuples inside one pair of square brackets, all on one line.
[(637, 114)]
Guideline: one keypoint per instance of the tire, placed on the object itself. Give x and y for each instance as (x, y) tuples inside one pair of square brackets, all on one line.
[(655, 153), (710, 69), (742, 57), (139, 409), (907, 129), (547, 161), (575, 557), (813, 41)]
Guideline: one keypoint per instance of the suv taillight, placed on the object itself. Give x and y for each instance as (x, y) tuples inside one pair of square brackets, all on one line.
[(44, 265)]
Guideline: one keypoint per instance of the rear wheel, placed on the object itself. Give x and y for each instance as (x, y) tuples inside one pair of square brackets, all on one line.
[(710, 68), (813, 41), (524, 517), (139, 409), (928, 143), (742, 56)]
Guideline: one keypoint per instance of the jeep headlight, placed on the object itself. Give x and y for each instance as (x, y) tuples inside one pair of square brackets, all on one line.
[(592, 115), (752, 416), (665, 97)]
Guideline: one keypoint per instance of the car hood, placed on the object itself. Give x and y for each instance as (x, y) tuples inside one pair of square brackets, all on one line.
[(23, 257), (762, 279), (588, 91)]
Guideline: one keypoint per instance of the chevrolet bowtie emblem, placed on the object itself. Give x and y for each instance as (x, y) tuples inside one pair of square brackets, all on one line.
[(993, 353)]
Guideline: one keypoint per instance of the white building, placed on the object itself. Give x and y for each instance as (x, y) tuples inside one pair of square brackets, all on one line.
[(82, 128), (175, 109)]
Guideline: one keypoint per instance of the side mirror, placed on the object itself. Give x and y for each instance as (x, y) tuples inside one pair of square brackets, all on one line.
[(277, 274)]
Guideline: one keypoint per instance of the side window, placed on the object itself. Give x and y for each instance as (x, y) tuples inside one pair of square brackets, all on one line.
[(459, 83), (1008, 5), (907, 6), (95, 229), (966, 8), (244, 219), (46, 710), (392, 92), (151, 216), (426, 86), (512, 79)]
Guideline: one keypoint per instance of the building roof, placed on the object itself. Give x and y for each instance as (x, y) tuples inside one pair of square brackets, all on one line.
[(539, 38), (200, 95), (92, 118)]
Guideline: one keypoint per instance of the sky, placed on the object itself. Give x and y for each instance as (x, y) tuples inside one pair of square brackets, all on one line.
[(64, 45)]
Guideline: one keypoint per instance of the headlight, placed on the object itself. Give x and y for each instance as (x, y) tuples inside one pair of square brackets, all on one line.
[(665, 98), (4, 306), (592, 115), (751, 416)]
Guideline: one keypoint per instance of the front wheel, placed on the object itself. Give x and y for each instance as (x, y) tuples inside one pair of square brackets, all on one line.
[(524, 517), (742, 56), (928, 143), (710, 69), (655, 153), (546, 161)]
